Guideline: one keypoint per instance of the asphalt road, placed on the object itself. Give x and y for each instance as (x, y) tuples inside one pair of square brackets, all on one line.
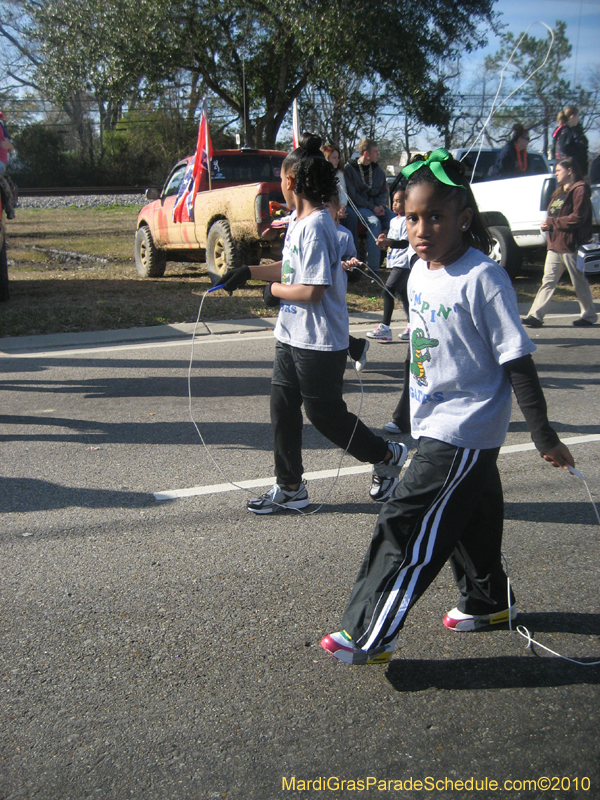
[(170, 649)]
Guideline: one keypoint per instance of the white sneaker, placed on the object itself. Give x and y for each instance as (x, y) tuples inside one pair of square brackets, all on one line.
[(405, 335), (341, 647), (279, 497), (458, 621), (391, 427), (385, 474), (362, 361), (383, 333)]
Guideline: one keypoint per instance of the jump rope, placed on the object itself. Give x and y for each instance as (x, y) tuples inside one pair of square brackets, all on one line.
[(368, 272), (199, 320)]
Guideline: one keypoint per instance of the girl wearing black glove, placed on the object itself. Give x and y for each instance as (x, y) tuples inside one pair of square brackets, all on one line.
[(312, 338)]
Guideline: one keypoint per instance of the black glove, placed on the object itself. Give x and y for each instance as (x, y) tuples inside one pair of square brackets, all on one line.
[(270, 300), (235, 279)]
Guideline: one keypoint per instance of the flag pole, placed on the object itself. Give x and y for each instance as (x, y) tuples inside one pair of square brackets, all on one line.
[(295, 125), (208, 159)]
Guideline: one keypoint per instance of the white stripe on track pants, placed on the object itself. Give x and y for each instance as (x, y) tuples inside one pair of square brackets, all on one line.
[(448, 505)]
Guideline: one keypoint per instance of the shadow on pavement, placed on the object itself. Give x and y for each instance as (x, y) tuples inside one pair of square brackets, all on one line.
[(19, 495), (571, 513), (508, 672)]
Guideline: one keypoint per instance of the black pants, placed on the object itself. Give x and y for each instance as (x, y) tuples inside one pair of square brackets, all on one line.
[(396, 284), (401, 415), (448, 505), (315, 379)]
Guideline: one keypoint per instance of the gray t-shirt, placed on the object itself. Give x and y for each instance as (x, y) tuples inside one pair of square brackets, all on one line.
[(311, 256), (464, 324)]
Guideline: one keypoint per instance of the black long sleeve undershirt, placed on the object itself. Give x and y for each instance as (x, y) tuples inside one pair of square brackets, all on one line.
[(527, 388)]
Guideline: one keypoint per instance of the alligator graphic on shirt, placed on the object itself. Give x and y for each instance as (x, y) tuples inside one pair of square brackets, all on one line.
[(286, 272), (420, 345)]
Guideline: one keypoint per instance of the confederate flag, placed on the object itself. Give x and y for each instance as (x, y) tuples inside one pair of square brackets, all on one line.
[(183, 210)]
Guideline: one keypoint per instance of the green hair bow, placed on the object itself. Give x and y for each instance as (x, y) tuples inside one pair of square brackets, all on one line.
[(435, 162)]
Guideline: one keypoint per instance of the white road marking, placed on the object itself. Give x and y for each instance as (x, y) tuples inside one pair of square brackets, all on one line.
[(201, 338), (219, 488), (184, 342)]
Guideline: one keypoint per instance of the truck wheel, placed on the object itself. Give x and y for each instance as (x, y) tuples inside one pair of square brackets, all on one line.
[(149, 262), (221, 252), (505, 250)]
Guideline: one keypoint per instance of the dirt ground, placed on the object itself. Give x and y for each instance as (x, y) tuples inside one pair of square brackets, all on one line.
[(72, 269)]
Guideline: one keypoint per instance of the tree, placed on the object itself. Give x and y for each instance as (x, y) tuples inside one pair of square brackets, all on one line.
[(343, 109), (255, 55), (537, 103)]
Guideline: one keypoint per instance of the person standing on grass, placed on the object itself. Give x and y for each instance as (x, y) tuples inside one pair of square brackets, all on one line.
[(568, 225), (6, 147), (468, 346), (332, 154), (569, 140), (309, 287), (398, 261)]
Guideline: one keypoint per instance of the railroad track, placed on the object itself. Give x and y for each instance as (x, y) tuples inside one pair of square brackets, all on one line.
[(81, 190)]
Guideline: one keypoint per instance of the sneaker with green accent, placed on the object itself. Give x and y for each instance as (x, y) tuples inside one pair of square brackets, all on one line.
[(341, 647)]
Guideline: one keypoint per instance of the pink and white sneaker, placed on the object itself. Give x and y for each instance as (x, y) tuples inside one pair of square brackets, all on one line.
[(340, 646), (383, 333), (456, 620)]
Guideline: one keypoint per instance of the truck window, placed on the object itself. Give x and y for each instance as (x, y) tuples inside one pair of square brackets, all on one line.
[(535, 164), (174, 181), (250, 168)]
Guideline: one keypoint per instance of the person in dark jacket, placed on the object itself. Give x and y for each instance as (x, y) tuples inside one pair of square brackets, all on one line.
[(594, 175), (569, 225), (367, 191), (511, 161), (568, 138)]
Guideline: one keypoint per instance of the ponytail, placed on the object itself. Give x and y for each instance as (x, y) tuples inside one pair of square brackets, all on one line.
[(315, 176)]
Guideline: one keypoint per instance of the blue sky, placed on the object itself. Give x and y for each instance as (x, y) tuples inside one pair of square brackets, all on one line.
[(583, 26), (583, 31)]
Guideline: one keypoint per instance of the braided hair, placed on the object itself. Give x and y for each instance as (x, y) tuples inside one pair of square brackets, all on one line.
[(477, 234), (315, 176)]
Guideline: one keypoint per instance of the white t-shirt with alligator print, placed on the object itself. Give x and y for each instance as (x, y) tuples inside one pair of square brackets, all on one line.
[(464, 325)]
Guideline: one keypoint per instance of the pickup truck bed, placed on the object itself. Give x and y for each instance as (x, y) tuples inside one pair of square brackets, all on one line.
[(231, 219)]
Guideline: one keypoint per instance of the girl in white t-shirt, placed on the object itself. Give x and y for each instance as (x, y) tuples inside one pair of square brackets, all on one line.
[(309, 287), (399, 262), (467, 347)]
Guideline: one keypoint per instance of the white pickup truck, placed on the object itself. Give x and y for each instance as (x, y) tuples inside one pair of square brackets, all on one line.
[(514, 208)]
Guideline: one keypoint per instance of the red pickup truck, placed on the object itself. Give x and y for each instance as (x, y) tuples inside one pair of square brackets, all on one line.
[(232, 220)]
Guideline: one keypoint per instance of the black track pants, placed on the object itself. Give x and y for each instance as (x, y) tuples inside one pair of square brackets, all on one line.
[(448, 505), (396, 283), (314, 378)]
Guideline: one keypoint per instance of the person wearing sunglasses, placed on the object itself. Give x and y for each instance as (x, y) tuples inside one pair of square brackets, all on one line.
[(512, 159)]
